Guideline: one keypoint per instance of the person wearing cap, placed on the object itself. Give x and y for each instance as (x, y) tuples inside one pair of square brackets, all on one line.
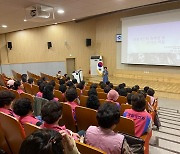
[(10, 84)]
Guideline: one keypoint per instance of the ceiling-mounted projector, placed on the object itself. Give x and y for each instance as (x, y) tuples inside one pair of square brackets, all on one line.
[(39, 13)]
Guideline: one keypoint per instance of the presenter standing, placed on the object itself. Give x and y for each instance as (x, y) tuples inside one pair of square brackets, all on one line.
[(105, 75)]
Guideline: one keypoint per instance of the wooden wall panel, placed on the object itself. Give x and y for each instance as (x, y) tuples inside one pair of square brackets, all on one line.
[(68, 40)]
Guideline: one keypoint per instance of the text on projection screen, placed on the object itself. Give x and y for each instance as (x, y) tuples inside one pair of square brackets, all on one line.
[(153, 42)]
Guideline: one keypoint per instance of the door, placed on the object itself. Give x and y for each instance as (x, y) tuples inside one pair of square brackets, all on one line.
[(70, 66)]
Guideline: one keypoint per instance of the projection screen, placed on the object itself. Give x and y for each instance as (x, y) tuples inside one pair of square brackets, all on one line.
[(151, 39)]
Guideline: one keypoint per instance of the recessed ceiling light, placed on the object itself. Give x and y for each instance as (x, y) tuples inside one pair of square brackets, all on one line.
[(60, 11), (25, 20), (4, 26), (73, 19), (55, 23)]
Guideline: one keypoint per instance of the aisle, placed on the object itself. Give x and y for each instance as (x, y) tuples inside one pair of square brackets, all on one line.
[(167, 139)]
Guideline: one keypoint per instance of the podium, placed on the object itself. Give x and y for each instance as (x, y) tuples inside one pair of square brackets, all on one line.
[(78, 75)]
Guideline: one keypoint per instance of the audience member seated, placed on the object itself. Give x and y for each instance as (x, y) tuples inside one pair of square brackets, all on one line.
[(45, 141), (93, 102), (141, 118), (51, 114), (71, 95), (112, 96), (40, 81), (48, 93), (150, 108), (129, 98), (52, 82), (70, 84), (23, 108), (111, 85), (107, 89), (83, 82), (117, 88), (62, 89), (61, 81), (103, 137), (31, 81), (10, 84), (67, 79), (41, 89), (74, 81), (122, 92), (134, 89), (150, 93), (94, 85), (18, 87), (58, 75), (108, 82), (81, 87), (137, 86), (103, 85), (6, 99), (121, 86), (146, 89), (24, 77), (92, 91), (129, 90)]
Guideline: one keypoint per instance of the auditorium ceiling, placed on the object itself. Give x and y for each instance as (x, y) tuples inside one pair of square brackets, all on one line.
[(12, 12)]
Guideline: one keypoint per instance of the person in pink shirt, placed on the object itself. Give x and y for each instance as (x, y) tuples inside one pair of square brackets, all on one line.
[(18, 86), (150, 93), (51, 114), (41, 89), (112, 96), (62, 89), (103, 137), (6, 99), (23, 108), (48, 93), (141, 118), (81, 87), (71, 95)]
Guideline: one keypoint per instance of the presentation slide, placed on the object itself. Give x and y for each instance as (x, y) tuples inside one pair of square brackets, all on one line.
[(151, 42)]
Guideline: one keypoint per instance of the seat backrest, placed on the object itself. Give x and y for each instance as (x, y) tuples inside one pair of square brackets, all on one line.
[(28, 88), (2, 81), (57, 86), (124, 107), (87, 87), (87, 149), (83, 100), (37, 106), (102, 95), (3, 143), (35, 89), (4, 88), (125, 125), (32, 75), (67, 118), (15, 93), (16, 75), (102, 101), (30, 128), (85, 117), (13, 131), (99, 90), (59, 95), (26, 95), (78, 91), (85, 92), (122, 100)]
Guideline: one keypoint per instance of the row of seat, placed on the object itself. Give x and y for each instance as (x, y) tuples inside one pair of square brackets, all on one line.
[(12, 135)]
